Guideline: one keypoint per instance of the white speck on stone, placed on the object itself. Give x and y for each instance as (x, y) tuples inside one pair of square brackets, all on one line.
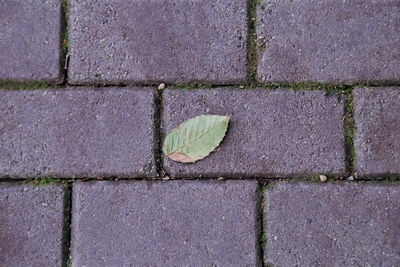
[(323, 178), (161, 86)]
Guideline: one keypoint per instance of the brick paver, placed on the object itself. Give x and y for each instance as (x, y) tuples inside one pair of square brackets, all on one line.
[(338, 224), (31, 225), (165, 223), (75, 132), (30, 46), (272, 133), (377, 139), (329, 41), (172, 41)]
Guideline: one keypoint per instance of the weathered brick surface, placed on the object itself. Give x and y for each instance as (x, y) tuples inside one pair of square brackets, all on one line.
[(75, 132), (377, 139), (31, 225), (332, 224), (329, 41), (172, 41), (165, 223), (272, 133), (30, 34)]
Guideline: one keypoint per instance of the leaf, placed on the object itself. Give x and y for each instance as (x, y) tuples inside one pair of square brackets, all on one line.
[(196, 138)]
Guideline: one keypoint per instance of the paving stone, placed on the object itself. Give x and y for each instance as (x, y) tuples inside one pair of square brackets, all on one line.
[(329, 41), (30, 34), (271, 133), (31, 225), (339, 224), (77, 132), (174, 41), (178, 223), (377, 138)]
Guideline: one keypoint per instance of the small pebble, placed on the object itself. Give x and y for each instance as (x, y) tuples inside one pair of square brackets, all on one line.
[(161, 86), (323, 178), (166, 178), (351, 178), (241, 87)]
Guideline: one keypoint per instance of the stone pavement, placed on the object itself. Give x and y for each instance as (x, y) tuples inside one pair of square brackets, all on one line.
[(313, 88)]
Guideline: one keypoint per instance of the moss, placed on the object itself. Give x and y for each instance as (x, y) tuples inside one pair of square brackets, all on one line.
[(65, 37), (65, 43), (33, 85), (307, 86), (349, 125), (262, 237), (68, 263), (46, 181), (301, 86), (65, 16), (191, 86), (252, 55), (188, 86)]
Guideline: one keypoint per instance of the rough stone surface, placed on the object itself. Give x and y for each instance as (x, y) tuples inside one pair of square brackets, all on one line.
[(30, 46), (31, 225), (332, 224), (377, 138), (271, 133), (174, 41), (77, 132), (165, 223), (329, 41)]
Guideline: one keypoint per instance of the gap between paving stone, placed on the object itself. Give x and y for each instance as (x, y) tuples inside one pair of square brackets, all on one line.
[(302, 86), (67, 225), (260, 219), (349, 128), (252, 55), (64, 40), (159, 159), (263, 181)]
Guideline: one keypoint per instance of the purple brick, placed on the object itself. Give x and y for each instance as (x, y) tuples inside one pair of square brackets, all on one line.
[(30, 46), (329, 41), (271, 133), (377, 138), (334, 224), (31, 225), (77, 132), (178, 223), (174, 41)]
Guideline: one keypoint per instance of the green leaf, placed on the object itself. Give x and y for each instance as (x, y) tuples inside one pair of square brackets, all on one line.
[(196, 138)]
